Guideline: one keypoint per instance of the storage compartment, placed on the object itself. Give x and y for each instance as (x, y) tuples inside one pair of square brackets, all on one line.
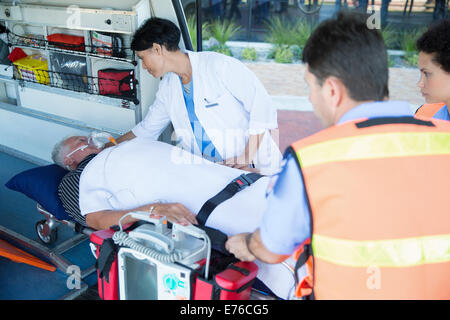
[(70, 72), (66, 41), (33, 68), (107, 44)]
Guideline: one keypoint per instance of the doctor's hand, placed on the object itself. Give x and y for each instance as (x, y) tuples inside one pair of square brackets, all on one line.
[(237, 245), (239, 163), (175, 213)]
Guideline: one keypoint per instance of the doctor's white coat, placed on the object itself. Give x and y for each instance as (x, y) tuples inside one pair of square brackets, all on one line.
[(230, 103)]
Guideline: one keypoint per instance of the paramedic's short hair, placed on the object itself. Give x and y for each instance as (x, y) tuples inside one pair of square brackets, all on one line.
[(57, 153), (156, 30), (344, 47), (436, 41)]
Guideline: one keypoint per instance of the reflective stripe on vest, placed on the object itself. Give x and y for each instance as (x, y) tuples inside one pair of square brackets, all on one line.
[(429, 110), (401, 144), (385, 253)]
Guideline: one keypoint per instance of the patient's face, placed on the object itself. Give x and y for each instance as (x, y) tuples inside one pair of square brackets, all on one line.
[(74, 143)]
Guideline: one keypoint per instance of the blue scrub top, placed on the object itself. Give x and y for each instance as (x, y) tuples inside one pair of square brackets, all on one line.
[(204, 142), (286, 223), (442, 114)]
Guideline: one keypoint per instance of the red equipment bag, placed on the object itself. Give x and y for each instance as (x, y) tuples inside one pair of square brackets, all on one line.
[(116, 82), (229, 279), (66, 41), (107, 272), (234, 282), (108, 288)]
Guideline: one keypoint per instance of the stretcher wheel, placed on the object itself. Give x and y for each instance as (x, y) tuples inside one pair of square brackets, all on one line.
[(45, 234)]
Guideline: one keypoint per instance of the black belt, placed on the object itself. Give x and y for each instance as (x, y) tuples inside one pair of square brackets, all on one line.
[(241, 182)]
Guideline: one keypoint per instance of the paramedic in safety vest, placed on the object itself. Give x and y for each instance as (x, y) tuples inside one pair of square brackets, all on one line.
[(218, 107), (362, 204), (434, 65)]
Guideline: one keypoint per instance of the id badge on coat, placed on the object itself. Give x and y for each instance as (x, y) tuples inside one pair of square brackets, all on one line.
[(226, 123)]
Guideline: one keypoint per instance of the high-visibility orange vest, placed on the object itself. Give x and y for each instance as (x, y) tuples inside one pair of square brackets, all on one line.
[(378, 193), (429, 110)]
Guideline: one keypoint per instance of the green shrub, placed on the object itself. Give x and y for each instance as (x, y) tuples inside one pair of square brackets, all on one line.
[(302, 33), (222, 31), (389, 36), (296, 51), (281, 32), (408, 44), (272, 52), (284, 54), (192, 27), (249, 54), (411, 58), (222, 49), (391, 62)]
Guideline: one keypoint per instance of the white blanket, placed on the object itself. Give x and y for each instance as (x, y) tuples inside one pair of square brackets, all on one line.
[(142, 171)]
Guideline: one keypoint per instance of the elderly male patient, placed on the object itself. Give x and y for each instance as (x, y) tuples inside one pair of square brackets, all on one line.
[(73, 154), (145, 175)]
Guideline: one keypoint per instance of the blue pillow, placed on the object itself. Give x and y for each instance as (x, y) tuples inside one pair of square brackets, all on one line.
[(41, 185)]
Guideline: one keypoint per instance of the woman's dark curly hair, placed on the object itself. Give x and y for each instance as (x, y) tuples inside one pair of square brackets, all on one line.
[(436, 41)]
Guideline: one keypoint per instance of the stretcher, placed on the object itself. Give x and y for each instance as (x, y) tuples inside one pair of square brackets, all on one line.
[(46, 229)]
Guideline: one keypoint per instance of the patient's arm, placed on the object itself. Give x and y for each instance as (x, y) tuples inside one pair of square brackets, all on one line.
[(127, 136), (175, 212), (249, 246)]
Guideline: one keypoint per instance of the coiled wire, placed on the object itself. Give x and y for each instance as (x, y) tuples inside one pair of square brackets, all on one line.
[(123, 239)]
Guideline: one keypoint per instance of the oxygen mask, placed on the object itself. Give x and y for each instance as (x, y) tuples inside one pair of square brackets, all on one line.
[(99, 139)]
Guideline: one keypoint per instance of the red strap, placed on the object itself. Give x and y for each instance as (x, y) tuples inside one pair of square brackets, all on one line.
[(304, 287)]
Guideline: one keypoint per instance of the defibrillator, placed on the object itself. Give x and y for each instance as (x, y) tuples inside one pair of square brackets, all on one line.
[(156, 262)]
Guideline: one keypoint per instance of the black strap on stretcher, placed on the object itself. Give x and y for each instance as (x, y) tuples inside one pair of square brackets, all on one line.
[(238, 184)]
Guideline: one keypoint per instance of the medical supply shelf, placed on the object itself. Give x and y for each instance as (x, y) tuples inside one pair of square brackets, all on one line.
[(77, 83), (124, 54), (82, 56)]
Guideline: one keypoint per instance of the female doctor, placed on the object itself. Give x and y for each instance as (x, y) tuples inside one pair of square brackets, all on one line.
[(218, 107)]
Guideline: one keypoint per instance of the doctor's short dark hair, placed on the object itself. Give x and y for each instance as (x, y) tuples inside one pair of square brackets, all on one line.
[(156, 30), (436, 41), (344, 47)]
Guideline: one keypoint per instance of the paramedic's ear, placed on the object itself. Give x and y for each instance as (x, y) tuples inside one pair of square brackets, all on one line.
[(335, 91)]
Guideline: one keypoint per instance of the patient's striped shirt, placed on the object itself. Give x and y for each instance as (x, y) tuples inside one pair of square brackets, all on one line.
[(68, 191)]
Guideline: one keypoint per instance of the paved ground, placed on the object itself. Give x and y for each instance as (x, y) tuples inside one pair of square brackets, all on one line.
[(285, 83)]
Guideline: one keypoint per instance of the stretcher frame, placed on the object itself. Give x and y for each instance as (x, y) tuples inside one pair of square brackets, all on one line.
[(47, 229), (53, 255)]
